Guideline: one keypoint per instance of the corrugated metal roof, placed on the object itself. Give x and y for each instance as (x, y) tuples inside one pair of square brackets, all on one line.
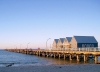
[(85, 39), (62, 39), (56, 40), (69, 38)]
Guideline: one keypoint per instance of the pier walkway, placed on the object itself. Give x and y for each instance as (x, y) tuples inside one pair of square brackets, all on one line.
[(65, 53)]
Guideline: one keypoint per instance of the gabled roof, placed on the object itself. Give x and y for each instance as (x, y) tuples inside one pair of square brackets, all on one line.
[(56, 40), (69, 38), (85, 39), (62, 39)]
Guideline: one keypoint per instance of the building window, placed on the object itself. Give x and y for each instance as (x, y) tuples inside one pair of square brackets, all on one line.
[(92, 45), (83, 45), (88, 45)]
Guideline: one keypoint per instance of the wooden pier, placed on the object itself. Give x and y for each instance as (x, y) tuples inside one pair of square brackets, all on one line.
[(64, 53)]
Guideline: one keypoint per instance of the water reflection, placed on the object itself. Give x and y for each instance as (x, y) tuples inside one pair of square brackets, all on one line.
[(67, 61)]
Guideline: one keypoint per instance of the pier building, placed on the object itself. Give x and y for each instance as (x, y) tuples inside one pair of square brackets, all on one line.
[(75, 42), (83, 42)]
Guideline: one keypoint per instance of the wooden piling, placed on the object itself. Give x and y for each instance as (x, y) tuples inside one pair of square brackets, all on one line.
[(77, 58)]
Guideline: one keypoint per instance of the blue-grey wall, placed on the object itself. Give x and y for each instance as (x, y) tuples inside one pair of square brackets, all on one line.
[(82, 45)]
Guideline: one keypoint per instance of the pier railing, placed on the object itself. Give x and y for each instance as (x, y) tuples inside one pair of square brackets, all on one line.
[(64, 49), (76, 49)]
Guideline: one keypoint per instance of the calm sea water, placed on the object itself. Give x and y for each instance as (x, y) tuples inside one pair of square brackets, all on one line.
[(18, 59)]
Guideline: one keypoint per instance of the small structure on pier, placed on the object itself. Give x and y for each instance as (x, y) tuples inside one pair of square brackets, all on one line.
[(55, 43), (75, 42), (60, 42), (67, 42), (83, 42)]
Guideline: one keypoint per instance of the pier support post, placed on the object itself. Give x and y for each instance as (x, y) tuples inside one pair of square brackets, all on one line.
[(47, 54), (64, 56), (54, 55), (96, 59), (77, 57), (59, 56), (43, 54), (39, 53), (26, 52), (85, 58), (70, 57), (51, 55)]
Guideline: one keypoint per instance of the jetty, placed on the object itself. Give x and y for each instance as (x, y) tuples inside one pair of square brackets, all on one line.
[(64, 53)]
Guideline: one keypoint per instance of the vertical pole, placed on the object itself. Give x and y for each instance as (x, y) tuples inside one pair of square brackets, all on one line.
[(77, 57), (46, 54), (96, 59), (47, 41), (54, 55), (39, 53), (27, 45), (27, 48), (85, 58), (59, 56), (64, 56), (51, 54), (70, 57)]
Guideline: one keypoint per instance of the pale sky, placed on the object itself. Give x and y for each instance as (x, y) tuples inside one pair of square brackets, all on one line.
[(34, 21)]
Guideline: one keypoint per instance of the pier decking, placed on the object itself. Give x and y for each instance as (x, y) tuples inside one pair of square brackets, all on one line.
[(65, 53)]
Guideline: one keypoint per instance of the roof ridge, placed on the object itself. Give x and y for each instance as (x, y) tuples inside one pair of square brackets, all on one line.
[(85, 39)]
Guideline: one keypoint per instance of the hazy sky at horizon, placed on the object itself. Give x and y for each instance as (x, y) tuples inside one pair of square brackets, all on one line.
[(34, 21)]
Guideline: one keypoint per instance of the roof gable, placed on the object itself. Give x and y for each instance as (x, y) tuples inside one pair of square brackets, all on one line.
[(62, 39), (68, 39), (85, 39), (56, 40)]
